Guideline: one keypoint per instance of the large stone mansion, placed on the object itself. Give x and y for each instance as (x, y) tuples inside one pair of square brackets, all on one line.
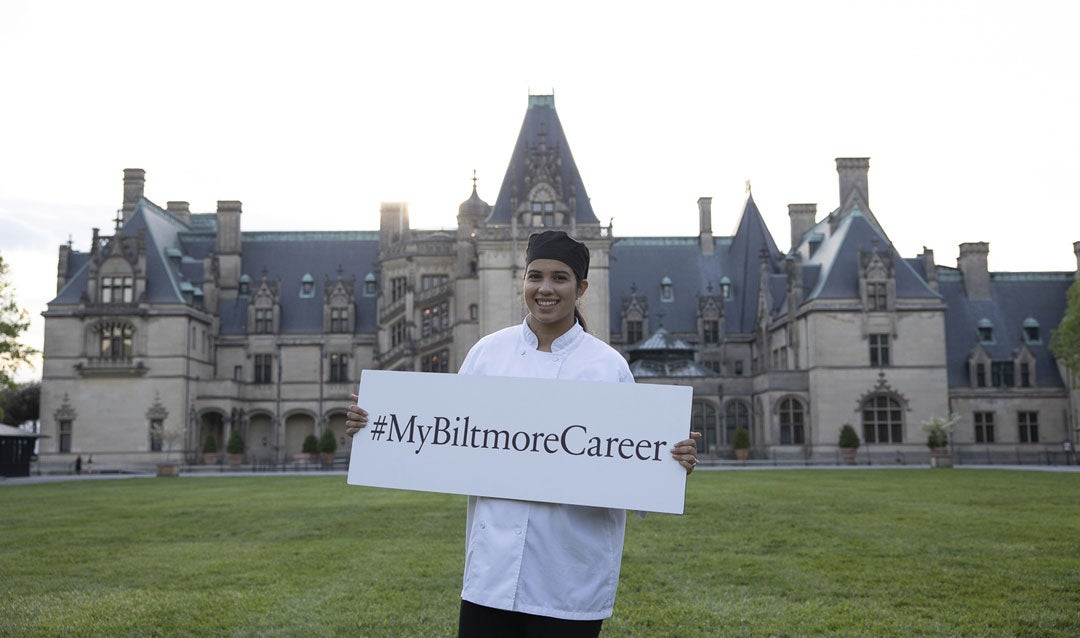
[(180, 322)]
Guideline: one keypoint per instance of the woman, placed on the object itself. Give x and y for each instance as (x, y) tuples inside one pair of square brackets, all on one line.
[(540, 569)]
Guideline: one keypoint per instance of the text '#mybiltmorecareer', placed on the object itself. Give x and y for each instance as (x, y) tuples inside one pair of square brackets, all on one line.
[(573, 440)]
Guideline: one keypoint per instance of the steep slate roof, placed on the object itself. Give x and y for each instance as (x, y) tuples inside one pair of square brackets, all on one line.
[(174, 266), (1014, 297), (167, 269), (752, 240), (837, 260), (76, 276), (644, 262), (315, 253), (541, 127), (165, 276)]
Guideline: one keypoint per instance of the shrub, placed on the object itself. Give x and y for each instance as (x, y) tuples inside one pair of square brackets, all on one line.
[(210, 445), (938, 428), (848, 437), (311, 445), (328, 444), (741, 440), (235, 444)]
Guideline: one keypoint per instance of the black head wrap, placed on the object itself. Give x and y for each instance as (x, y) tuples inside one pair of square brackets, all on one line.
[(557, 245)]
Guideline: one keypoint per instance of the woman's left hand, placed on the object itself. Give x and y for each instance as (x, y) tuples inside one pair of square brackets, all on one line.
[(685, 452)]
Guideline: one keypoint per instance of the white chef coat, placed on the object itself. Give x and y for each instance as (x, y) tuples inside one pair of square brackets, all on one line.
[(554, 560)]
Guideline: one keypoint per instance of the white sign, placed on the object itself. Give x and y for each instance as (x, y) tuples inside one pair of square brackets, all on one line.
[(576, 442)]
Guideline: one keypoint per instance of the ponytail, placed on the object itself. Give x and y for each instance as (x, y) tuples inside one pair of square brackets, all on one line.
[(580, 319)]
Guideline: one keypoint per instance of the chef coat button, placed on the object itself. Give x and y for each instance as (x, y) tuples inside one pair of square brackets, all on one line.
[(523, 353), (517, 530), (483, 525)]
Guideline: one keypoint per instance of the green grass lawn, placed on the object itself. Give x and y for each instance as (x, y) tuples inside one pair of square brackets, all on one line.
[(758, 553)]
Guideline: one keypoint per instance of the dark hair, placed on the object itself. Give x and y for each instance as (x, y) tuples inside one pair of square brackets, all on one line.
[(577, 313)]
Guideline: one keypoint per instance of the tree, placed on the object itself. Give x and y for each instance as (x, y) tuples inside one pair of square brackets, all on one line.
[(1065, 341), (13, 322), (22, 404)]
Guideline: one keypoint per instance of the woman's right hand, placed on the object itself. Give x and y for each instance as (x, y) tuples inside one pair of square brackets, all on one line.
[(355, 417)]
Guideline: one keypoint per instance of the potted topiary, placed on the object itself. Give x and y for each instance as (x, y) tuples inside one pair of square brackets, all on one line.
[(309, 450), (741, 444), (327, 446), (235, 449), (170, 436), (849, 444), (937, 431), (209, 450)]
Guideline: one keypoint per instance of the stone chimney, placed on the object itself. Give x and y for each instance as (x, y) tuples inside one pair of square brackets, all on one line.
[(228, 247), (973, 268), (929, 268), (854, 187), (393, 223), (704, 205), (802, 218), (180, 210), (1076, 251), (134, 182), (62, 265)]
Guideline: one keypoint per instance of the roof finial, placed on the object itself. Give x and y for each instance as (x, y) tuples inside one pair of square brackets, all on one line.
[(118, 220), (474, 179), (747, 187)]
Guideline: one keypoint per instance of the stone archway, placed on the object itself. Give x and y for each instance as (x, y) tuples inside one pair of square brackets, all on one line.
[(297, 427), (211, 424), (261, 437), (335, 422)]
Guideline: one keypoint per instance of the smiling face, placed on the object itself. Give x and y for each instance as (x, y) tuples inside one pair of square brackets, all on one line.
[(550, 292)]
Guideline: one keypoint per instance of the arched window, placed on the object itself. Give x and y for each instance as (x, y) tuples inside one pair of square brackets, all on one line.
[(792, 422), (117, 340), (883, 419), (541, 207), (703, 418), (737, 413)]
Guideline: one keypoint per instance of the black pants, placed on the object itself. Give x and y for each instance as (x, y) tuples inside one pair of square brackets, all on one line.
[(477, 621)]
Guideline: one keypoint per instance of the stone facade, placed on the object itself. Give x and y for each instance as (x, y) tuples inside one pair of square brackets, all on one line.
[(180, 327)]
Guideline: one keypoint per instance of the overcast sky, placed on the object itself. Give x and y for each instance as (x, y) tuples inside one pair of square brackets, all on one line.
[(313, 113)]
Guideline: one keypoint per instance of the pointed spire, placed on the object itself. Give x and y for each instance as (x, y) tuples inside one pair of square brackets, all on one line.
[(542, 172)]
